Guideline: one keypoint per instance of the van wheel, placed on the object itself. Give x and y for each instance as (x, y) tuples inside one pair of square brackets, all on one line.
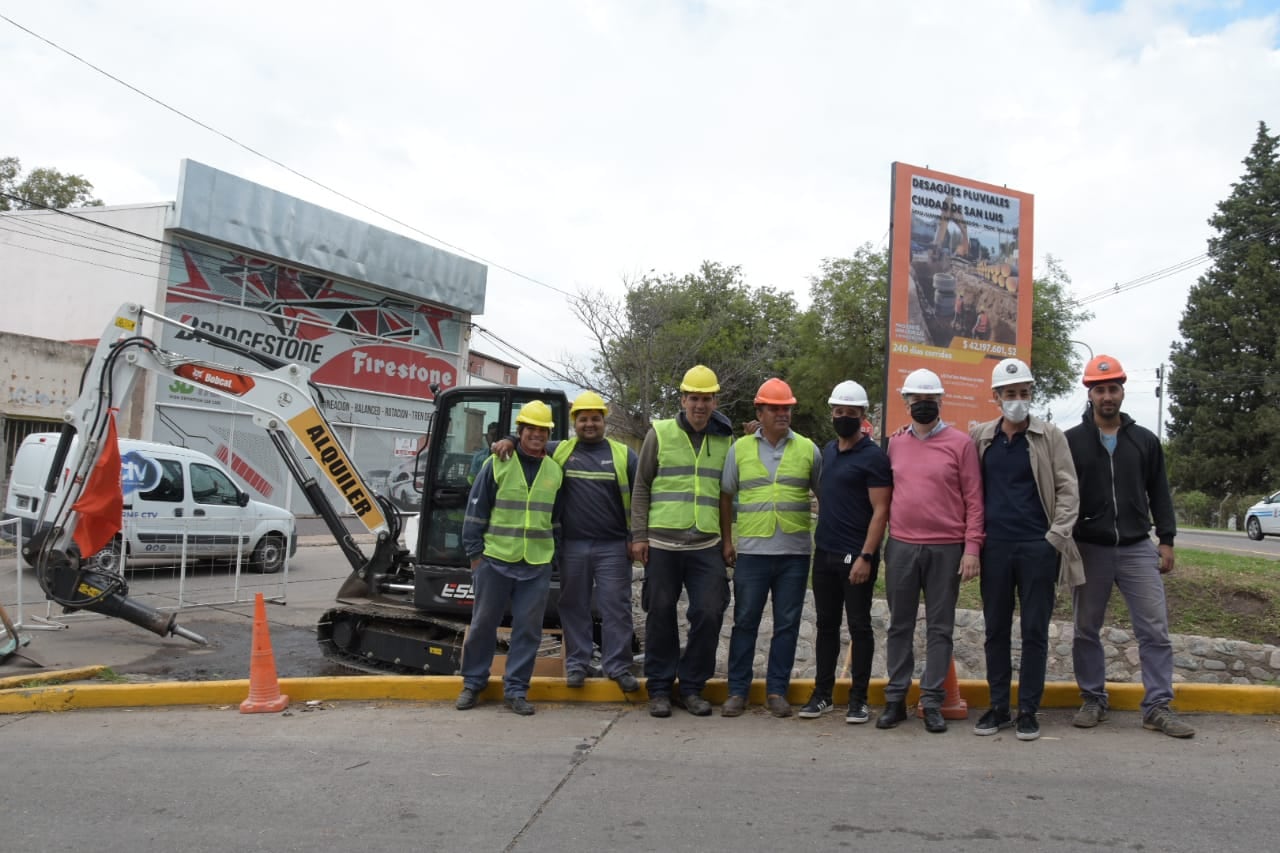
[(108, 559), (268, 556)]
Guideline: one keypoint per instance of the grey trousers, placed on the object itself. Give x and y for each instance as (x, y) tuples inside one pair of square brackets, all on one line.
[(1135, 569), (910, 570)]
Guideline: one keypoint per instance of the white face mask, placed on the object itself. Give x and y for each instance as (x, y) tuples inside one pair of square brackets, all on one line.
[(1015, 411)]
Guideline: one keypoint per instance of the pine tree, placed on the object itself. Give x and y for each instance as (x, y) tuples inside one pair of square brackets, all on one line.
[(1225, 383)]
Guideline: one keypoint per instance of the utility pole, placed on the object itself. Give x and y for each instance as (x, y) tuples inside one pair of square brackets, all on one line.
[(1160, 402)]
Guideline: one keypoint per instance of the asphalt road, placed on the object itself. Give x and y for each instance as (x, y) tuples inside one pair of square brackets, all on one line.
[(1229, 542), (421, 776)]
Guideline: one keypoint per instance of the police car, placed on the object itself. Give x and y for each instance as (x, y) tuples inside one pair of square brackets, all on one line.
[(1263, 518)]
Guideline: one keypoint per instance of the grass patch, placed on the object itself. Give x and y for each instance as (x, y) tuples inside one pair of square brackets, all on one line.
[(1209, 594)]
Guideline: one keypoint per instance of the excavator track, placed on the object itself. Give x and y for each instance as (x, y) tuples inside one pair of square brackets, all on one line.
[(391, 640)]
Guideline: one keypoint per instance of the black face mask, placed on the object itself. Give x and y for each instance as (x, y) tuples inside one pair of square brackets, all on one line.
[(924, 411), (847, 427)]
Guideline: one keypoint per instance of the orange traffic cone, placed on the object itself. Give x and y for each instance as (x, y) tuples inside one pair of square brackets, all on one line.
[(264, 688), (953, 705)]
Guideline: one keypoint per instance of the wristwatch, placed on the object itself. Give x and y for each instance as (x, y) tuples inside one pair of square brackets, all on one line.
[(866, 555)]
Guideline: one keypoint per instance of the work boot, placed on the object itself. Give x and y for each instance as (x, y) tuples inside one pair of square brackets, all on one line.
[(575, 678), (894, 712), (693, 703), (626, 682), (733, 706), (519, 705), (1090, 714), (933, 721), (467, 699), (777, 705), (1161, 719), (660, 705)]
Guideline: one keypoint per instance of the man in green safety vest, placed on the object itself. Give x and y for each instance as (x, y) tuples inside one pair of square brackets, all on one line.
[(771, 472), (675, 532), (511, 535)]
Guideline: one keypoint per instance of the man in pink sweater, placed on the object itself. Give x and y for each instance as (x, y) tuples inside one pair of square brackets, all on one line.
[(935, 535)]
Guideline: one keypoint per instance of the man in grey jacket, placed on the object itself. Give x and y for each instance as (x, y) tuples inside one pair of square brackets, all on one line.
[(1031, 502)]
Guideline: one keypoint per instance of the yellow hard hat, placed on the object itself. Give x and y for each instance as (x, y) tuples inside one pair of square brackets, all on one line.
[(535, 413), (700, 379), (588, 401)]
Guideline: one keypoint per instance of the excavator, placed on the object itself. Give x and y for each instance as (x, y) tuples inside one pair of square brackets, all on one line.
[(402, 609)]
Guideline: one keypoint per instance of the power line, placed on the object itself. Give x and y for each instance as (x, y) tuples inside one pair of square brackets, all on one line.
[(211, 129)]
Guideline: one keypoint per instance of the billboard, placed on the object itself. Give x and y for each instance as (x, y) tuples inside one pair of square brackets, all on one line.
[(960, 291)]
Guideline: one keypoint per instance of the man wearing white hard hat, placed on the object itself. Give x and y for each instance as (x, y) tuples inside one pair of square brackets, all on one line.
[(935, 537), (1030, 503)]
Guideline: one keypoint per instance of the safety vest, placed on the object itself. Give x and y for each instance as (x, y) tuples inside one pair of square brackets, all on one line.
[(686, 490), (519, 528), (619, 450), (766, 502)]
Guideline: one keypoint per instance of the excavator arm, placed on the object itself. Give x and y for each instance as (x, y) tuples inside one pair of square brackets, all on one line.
[(284, 404)]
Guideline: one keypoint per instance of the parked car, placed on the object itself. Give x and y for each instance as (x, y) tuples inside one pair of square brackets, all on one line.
[(174, 498), (1263, 518)]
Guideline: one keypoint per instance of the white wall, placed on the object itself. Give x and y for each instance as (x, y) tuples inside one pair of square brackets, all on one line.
[(62, 277)]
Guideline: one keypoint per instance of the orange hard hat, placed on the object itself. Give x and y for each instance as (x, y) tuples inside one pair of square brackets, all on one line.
[(1103, 368), (775, 392)]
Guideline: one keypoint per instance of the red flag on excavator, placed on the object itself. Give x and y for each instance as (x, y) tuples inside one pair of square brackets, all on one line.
[(101, 504)]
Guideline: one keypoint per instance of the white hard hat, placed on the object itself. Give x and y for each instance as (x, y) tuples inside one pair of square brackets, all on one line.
[(849, 393), (1011, 371), (922, 381)]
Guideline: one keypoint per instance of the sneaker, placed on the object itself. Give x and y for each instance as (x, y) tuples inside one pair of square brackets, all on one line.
[(1090, 714), (1161, 719), (467, 699), (626, 682), (693, 703), (777, 705), (519, 705), (660, 705), (1028, 726), (858, 713), (993, 721), (575, 678), (816, 707)]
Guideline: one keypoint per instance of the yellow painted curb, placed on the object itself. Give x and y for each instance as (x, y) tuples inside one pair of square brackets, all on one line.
[(1209, 698), (42, 677)]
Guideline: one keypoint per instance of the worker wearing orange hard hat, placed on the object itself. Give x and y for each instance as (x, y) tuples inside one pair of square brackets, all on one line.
[(771, 474), (675, 532), (1123, 487)]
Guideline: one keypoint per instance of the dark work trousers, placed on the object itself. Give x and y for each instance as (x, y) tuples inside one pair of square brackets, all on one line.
[(910, 569), (1025, 572), (831, 589), (701, 573)]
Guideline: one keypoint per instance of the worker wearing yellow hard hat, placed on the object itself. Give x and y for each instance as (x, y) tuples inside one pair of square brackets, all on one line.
[(675, 532), (511, 535), (771, 473)]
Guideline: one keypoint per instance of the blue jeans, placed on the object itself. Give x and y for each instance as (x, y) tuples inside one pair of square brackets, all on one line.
[(601, 564), (1025, 572), (701, 573), (757, 577), (528, 601), (1135, 569)]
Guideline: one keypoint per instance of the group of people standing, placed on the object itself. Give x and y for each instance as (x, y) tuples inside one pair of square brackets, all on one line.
[(1014, 502)]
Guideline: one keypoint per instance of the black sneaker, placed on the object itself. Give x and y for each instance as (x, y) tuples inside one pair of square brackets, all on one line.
[(993, 721), (816, 707), (1028, 726), (858, 713)]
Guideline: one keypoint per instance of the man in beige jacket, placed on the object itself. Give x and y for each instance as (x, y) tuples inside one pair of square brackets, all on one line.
[(1031, 501)]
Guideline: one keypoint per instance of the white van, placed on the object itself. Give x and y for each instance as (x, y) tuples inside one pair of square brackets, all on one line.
[(169, 493)]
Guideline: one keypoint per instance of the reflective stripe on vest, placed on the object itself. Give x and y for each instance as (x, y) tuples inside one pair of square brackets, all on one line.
[(764, 501), (686, 489), (519, 528), (619, 450)]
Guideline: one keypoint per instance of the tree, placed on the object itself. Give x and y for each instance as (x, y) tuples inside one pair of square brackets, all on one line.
[(1054, 319), (1224, 422), (42, 188), (665, 324)]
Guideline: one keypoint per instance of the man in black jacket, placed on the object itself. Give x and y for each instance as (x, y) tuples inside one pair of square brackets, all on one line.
[(1123, 486)]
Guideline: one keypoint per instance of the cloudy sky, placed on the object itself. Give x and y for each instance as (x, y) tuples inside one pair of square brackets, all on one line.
[(581, 143)]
